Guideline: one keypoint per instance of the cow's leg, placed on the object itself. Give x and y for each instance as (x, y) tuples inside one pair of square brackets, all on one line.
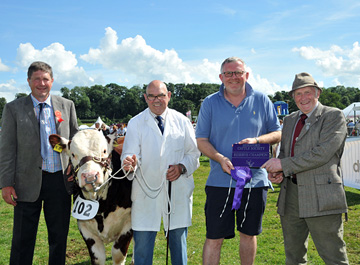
[(95, 247), (120, 248)]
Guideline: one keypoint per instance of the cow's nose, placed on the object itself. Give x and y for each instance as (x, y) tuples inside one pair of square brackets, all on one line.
[(90, 177)]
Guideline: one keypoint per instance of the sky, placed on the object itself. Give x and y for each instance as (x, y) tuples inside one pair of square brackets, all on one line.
[(134, 42)]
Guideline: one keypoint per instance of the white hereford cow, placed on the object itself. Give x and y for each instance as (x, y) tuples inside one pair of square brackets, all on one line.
[(90, 157)]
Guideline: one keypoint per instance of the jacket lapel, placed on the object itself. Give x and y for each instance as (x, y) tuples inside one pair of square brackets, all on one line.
[(57, 106), (151, 123), (311, 121), (288, 130), (30, 112)]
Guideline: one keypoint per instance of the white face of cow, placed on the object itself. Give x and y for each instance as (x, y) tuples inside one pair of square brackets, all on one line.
[(92, 174)]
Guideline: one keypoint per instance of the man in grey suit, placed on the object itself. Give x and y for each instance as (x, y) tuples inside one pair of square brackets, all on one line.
[(312, 197), (31, 173)]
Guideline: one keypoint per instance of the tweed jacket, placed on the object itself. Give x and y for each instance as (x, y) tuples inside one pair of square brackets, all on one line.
[(316, 162), (20, 148)]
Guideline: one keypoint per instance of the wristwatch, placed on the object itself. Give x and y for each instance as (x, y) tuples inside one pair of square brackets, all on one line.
[(183, 169), (257, 140)]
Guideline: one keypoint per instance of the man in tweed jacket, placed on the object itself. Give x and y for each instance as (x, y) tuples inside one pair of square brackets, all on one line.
[(31, 181), (312, 197)]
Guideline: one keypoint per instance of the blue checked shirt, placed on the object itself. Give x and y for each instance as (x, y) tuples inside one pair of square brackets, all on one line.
[(53, 162)]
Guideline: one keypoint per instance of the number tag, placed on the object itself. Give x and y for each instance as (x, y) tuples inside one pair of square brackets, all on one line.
[(58, 148), (84, 209)]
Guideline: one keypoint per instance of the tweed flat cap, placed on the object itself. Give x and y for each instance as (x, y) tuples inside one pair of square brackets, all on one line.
[(303, 80)]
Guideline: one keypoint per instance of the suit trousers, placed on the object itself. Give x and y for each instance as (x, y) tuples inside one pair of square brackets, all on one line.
[(326, 232), (56, 203)]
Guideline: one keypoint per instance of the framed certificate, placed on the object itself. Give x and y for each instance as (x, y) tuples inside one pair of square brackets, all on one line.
[(250, 155)]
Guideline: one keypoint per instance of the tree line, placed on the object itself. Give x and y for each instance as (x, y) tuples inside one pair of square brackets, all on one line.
[(114, 103)]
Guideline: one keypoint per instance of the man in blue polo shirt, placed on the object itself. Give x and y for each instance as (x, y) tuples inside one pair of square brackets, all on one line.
[(235, 114)]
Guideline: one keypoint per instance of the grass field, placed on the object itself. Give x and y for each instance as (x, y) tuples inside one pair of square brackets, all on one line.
[(270, 242)]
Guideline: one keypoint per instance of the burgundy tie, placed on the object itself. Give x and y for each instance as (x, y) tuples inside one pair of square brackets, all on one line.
[(299, 126)]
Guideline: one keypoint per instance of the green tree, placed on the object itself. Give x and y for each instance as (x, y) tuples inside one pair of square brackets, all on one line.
[(331, 99), (20, 95), (117, 102), (65, 92), (98, 96), (2, 104), (279, 96), (134, 101), (81, 101)]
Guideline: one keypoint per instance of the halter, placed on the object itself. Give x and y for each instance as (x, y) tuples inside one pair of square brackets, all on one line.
[(105, 164)]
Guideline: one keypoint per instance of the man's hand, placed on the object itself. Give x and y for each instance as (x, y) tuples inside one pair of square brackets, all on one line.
[(276, 177), (248, 141), (273, 165), (9, 195), (226, 165), (174, 172), (129, 163)]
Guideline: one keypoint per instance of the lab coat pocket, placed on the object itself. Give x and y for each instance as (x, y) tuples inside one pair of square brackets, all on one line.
[(176, 142)]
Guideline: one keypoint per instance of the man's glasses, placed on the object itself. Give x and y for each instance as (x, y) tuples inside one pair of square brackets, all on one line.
[(152, 97), (237, 73)]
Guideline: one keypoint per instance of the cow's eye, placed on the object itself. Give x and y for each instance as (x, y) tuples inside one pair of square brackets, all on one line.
[(104, 151)]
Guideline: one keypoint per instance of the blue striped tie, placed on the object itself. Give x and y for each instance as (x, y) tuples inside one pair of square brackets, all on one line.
[(160, 124), (43, 135)]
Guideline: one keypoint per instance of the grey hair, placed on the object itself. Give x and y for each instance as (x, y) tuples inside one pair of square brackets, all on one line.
[(316, 92), (230, 60)]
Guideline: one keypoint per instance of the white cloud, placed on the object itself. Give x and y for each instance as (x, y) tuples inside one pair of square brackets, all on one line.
[(263, 85), (3, 67), (342, 64), (141, 63), (64, 63), (131, 60), (10, 88)]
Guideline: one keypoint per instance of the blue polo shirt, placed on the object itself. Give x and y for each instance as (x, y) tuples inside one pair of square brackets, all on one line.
[(224, 125)]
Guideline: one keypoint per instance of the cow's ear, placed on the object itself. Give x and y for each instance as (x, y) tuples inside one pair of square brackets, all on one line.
[(110, 138), (110, 141), (55, 139)]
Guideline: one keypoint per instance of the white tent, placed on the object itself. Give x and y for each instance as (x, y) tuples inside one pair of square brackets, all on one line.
[(83, 127), (99, 120), (352, 111)]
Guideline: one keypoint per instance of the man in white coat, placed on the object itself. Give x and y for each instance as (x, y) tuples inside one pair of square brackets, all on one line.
[(160, 148)]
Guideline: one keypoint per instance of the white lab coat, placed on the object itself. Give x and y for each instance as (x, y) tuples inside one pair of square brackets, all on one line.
[(155, 152)]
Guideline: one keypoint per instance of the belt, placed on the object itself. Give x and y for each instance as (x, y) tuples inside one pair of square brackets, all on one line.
[(47, 172)]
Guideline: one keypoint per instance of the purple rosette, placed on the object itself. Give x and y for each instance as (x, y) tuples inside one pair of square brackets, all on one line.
[(242, 175)]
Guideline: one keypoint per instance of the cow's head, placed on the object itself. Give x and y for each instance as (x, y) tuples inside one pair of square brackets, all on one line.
[(89, 152)]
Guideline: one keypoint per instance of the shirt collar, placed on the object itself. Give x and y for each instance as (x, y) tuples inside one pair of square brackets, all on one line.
[(310, 113), (36, 102), (249, 90), (163, 115)]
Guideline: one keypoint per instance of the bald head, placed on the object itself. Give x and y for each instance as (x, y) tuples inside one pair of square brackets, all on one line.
[(155, 84), (157, 96)]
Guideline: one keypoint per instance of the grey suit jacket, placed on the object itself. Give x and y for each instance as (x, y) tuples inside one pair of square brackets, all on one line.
[(20, 157), (316, 162)]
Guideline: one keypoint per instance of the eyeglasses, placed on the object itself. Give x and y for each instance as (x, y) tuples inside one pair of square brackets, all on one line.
[(237, 73), (152, 97)]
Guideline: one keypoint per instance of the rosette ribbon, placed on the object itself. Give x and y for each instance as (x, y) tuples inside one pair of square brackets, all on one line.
[(242, 175), (58, 116)]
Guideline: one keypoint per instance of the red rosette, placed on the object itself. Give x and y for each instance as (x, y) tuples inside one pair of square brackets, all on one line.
[(58, 116)]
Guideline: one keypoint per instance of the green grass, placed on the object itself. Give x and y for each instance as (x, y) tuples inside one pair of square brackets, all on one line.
[(270, 242)]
